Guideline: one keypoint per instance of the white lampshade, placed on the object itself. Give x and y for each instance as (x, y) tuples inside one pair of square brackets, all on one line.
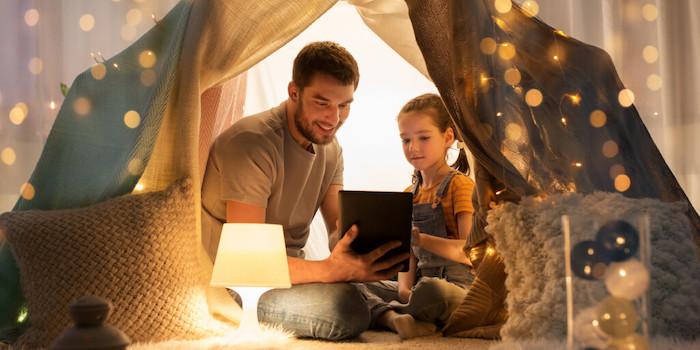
[(251, 255)]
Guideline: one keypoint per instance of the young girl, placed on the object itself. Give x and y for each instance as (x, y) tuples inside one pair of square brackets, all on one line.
[(439, 271)]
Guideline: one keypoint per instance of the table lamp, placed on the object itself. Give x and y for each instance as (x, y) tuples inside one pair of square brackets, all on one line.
[(251, 259)]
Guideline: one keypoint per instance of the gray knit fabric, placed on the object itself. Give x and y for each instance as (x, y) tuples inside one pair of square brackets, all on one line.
[(529, 237)]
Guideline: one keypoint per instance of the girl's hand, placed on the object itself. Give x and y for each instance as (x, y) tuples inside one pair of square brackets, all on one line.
[(415, 237)]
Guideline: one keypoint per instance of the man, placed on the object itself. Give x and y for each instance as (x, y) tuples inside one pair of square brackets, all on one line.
[(280, 167)]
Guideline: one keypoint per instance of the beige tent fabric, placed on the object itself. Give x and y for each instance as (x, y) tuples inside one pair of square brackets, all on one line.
[(389, 20), (223, 39)]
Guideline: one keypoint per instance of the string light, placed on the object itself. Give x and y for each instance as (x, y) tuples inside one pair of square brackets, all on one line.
[(654, 82), (488, 46), (577, 164), (36, 65), (563, 120), (18, 113), (82, 106), (650, 12), (503, 6), (622, 183), (561, 33), (512, 76), (133, 17), (98, 71), (499, 114), (598, 118), (506, 51), (610, 149), (147, 59), (52, 105), (116, 66), (574, 98), (148, 77)]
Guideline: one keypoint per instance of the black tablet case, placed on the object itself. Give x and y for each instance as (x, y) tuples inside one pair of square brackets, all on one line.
[(380, 217)]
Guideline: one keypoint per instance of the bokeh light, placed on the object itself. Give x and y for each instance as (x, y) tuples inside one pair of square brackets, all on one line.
[(625, 97), (132, 119), (514, 132), (503, 6), (650, 54), (622, 183), (488, 46), (533, 97), (512, 76), (98, 71), (36, 65), (650, 12), (82, 106), (18, 113), (530, 8), (27, 191), (87, 22), (654, 82), (598, 118), (8, 156), (147, 59), (506, 51), (31, 17), (610, 149)]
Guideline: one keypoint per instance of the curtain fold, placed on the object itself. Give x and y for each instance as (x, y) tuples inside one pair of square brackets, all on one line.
[(536, 107)]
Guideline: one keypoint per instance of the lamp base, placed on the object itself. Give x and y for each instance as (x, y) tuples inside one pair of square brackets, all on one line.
[(249, 315)]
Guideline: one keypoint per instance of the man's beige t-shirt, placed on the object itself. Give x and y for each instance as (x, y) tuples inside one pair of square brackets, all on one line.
[(257, 162)]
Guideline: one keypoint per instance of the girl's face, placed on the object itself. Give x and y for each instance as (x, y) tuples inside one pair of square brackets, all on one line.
[(424, 145)]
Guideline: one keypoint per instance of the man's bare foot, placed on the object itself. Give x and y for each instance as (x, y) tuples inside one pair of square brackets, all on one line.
[(407, 327)]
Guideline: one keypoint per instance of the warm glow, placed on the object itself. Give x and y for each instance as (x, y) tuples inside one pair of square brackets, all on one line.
[(514, 132), (490, 251), (650, 54), (577, 164), (27, 191), (87, 22), (82, 106), (561, 33), (650, 12), (132, 119), (654, 82), (134, 17), (598, 118), (610, 149), (563, 120), (52, 105), (499, 114), (138, 187), (512, 76), (503, 6), (31, 17), (506, 51), (488, 46), (530, 8), (251, 255), (620, 241), (533, 97), (98, 71), (148, 77), (147, 59), (36, 65), (626, 97), (8, 156), (622, 183)]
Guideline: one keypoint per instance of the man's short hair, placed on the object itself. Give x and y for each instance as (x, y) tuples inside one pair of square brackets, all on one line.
[(325, 57)]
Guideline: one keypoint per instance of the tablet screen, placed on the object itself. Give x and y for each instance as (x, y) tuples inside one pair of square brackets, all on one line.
[(380, 217)]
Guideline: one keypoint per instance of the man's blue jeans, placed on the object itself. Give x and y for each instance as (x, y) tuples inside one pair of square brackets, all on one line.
[(331, 311)]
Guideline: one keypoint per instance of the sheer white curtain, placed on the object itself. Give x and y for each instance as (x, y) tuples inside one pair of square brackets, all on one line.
[(46, 43)]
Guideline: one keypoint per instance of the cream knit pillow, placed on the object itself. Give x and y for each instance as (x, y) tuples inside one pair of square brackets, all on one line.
[(139, 251)]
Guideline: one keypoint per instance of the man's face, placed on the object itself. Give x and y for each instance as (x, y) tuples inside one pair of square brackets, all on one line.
[(322, 107)]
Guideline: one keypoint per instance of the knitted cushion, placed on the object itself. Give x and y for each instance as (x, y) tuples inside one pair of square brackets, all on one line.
[(530, 240), (139, 251)]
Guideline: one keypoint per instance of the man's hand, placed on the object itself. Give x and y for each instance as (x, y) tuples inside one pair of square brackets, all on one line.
[(348, 266)]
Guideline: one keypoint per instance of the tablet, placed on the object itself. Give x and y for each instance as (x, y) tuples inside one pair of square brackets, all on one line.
[(380, 217)]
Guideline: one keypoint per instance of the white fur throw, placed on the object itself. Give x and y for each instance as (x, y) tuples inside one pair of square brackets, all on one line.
[(529, 237)]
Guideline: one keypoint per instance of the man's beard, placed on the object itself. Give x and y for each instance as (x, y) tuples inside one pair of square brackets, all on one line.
[(306, 128)]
